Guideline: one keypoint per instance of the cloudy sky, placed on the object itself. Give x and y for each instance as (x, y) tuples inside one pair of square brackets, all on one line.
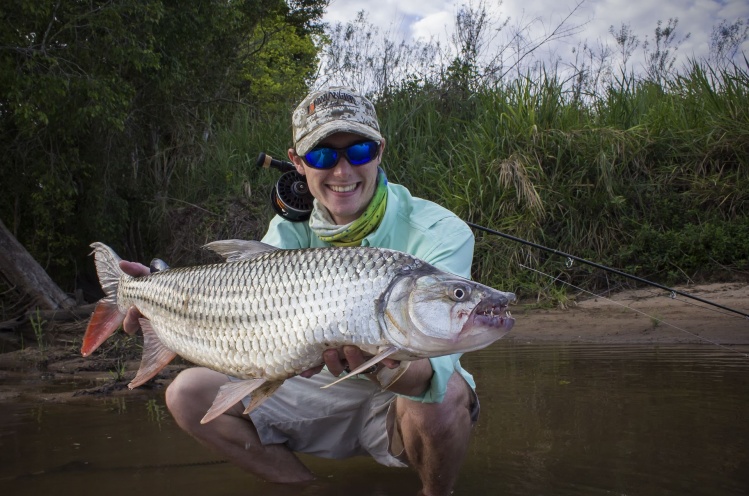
[(430, 19)]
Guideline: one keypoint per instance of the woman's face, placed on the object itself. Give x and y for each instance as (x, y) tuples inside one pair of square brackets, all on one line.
[(345, 190)]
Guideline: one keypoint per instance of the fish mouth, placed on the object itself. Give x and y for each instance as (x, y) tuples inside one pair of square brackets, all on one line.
[(490, 312)]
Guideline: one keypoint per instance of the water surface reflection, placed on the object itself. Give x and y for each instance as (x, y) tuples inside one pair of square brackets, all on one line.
[(556, 419)]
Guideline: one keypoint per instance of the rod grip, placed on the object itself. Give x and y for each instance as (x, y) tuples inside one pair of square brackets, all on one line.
[(266, 161)]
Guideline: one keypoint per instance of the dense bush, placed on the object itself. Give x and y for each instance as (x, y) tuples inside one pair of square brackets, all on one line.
[(138, 124)]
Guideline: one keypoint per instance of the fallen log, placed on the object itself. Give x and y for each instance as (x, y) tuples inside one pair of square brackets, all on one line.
[(23, 272), (62, 315)]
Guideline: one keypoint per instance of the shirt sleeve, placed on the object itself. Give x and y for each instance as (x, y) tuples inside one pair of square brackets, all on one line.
[(453, 254), (285, 235)]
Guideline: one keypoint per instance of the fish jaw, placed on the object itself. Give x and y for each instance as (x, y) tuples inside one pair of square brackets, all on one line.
[(490, 320), (430, 313)]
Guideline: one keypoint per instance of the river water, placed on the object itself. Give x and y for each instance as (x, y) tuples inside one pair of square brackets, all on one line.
[(556, 419)]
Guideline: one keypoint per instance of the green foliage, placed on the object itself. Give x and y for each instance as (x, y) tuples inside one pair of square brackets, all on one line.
[(285, 60), (138, 123), (650, 179), (105, 104)]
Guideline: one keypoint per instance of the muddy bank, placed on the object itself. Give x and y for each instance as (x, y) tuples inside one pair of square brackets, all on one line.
[(644, 316)]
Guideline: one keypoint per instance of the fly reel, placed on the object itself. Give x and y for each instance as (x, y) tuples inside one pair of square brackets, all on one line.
[(290, 196)]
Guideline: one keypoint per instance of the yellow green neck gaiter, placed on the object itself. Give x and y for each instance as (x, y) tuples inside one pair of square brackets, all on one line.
[(351, 234)]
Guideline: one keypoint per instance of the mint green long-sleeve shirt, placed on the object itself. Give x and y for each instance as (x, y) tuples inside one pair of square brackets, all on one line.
[(411, 225)]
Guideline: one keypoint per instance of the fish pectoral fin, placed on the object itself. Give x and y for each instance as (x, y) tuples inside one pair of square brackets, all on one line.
[(229, 395), (238, 249), (155, 357), (261, 394), (105, 320), (387, 377), (361, 368)]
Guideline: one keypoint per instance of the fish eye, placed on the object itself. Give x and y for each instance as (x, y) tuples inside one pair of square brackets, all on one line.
[(459, 293)]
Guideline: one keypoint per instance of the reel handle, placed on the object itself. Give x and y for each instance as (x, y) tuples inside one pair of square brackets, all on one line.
[(266, 161)]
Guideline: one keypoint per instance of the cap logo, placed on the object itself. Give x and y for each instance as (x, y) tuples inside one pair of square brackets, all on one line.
[(328, 97)]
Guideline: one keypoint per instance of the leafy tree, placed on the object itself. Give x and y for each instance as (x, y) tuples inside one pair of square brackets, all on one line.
[(283, 60), (103, 102)]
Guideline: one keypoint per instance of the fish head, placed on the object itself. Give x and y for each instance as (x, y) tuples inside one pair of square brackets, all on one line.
[(436, 313)]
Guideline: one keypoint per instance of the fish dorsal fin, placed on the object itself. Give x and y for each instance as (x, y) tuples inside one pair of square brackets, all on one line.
[(229, 395), (238, 249), (155, 357), (361, 368)]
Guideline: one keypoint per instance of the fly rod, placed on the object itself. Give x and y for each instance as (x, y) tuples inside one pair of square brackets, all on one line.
[(291, 199), (603, 267)]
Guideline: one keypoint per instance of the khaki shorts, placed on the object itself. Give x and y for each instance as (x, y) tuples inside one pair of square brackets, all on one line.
[(352, 418)]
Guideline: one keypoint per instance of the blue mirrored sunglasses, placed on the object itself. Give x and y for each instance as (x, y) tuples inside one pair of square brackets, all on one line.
[(325, 157)]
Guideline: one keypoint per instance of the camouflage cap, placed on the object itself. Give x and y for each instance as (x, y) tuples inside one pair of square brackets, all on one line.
[(332, 110)]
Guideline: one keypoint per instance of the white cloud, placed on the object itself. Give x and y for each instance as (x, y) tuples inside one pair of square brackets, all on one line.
[(434, 26), (435, 19)]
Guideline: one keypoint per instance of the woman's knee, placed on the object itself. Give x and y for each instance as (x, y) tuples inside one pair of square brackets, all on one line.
[(192, 392)]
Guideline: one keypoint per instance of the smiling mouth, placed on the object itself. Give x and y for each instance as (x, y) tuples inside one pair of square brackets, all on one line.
[(343, 189)]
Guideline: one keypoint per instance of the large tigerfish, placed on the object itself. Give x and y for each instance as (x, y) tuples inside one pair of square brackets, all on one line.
[(267, 314)]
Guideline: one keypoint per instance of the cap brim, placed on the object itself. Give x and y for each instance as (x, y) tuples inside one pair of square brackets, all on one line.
[(337, 126)]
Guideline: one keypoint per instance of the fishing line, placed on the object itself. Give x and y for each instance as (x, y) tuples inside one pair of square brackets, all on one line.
[(291, 199), (702, 338), (570, 258)]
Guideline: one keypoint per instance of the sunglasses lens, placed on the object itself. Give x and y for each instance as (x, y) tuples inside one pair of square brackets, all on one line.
[(362, 153), (321, 158)]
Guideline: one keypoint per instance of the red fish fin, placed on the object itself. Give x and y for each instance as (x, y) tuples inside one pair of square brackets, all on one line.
[(155, 355), (229, 395), (361, 368), (105, 320), (261, 394)]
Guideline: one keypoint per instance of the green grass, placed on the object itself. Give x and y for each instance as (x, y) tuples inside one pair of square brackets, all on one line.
[(650, 179)]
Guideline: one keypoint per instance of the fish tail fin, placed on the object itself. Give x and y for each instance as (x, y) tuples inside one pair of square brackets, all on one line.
[(107, 316)]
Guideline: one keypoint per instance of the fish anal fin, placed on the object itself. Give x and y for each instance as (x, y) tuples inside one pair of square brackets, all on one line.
[(361, 368), (155, 357), (229, 395), (106, 319)]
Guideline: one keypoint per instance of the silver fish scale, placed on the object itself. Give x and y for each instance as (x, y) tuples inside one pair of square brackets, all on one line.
[(271, 316)]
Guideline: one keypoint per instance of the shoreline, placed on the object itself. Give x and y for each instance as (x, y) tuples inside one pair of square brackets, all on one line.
[(643, 316)]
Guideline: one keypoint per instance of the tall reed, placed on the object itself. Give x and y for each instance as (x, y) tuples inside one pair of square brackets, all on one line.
[(648, 178)]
